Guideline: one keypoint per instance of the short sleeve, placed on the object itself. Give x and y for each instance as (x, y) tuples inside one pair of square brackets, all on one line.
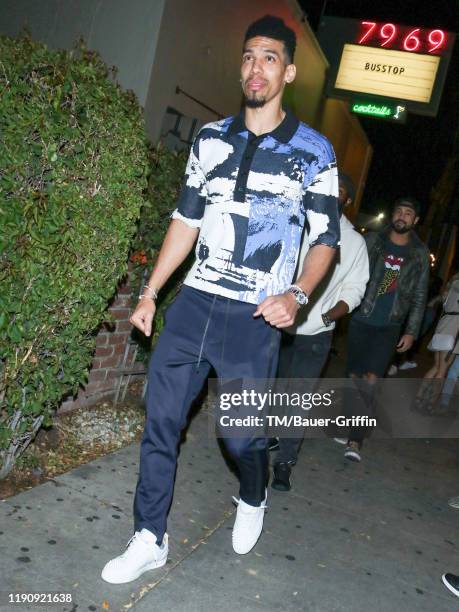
[(321, 207), (192, 199)]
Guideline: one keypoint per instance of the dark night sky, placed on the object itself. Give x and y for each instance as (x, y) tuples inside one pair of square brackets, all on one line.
[(407, 159)]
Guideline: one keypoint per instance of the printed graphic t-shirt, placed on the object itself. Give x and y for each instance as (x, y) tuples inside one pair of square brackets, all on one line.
[(250, 196), (394, 258)]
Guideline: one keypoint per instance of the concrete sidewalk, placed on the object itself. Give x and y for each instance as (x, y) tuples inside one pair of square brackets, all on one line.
[(371, 536)]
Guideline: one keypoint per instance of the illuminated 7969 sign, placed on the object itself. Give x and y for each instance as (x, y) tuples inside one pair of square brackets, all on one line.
[(393, 36), (407, 64)]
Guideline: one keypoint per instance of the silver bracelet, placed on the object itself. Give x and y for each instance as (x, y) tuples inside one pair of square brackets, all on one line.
[(153, 296), (146, 297)]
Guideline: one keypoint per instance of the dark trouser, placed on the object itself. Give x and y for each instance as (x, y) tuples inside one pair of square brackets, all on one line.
[(202, 331), (359, 401), (370, 350), (300, 357)]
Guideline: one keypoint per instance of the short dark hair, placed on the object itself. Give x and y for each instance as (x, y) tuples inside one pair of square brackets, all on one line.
[(410, 202), (348, 185), (273, 27)]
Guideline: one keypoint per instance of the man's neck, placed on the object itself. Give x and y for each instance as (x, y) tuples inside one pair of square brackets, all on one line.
[(399, 239), (263, 120)]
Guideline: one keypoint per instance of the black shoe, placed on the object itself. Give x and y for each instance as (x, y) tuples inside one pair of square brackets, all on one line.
[(281, 478), (451, 582), (273, 444)]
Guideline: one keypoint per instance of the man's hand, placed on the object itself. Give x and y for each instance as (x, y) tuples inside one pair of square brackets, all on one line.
[(405, 343), (142, 317), (278, 310)]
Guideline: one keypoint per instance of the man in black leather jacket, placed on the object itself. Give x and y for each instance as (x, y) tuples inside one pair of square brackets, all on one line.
[(390, 315)]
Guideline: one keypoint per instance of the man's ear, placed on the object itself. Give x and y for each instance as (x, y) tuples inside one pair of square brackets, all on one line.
[(416, 220), (290, 73), (348, 202)]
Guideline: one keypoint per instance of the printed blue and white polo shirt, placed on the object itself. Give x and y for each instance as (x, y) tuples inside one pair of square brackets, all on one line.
[(250, 196)]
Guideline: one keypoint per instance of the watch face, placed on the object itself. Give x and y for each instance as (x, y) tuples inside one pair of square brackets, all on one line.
[(301, 299)]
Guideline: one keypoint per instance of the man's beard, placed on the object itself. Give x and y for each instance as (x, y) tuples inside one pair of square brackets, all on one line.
[(255, 102), (400, 230)]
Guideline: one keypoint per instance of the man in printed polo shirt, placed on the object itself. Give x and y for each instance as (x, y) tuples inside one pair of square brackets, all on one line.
[(251, 181)]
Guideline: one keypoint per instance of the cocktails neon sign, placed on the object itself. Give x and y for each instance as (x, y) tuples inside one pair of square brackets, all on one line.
[(383, 110)]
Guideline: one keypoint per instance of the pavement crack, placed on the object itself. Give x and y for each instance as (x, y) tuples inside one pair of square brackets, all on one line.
[(147, 588)]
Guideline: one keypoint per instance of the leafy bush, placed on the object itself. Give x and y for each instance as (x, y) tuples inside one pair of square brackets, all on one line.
[(73, 170), (167, 172)]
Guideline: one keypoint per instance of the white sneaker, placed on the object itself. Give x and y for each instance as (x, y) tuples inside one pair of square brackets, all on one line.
[(408, 365), (352, 451), (340, 440), (392, 371), (454, 502), (247, 526), (141, 554)]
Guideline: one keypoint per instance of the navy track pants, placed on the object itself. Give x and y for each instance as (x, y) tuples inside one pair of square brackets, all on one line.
[(201, 331)]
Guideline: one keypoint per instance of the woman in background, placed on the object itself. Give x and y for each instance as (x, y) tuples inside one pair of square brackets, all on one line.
[(445, 337), (444, 344)]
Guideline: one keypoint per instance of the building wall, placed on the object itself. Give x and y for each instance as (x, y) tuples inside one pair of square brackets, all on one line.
[(204, 58), (204, 61), (124, 33), (352, 148)]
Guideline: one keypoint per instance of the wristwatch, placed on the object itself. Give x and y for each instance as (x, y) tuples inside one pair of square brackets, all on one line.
[(300, 296), (326, 319)]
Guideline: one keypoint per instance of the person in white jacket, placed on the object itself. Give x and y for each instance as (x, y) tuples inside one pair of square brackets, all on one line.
[(306, 345)]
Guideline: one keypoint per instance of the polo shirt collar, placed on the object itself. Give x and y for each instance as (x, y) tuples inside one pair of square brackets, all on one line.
[(283, 133)]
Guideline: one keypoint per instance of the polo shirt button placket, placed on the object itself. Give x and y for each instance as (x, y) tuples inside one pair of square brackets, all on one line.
[(244, 168)]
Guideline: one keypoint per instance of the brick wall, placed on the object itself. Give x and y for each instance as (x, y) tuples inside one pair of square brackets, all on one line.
[(111, 344)]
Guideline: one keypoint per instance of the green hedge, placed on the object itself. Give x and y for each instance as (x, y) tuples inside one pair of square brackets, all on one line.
[(73, 171)]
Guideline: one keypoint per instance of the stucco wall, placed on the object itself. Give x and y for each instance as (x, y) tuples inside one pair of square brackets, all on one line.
[(202, 57), (124, 32), (199, 50), (352, 148)]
